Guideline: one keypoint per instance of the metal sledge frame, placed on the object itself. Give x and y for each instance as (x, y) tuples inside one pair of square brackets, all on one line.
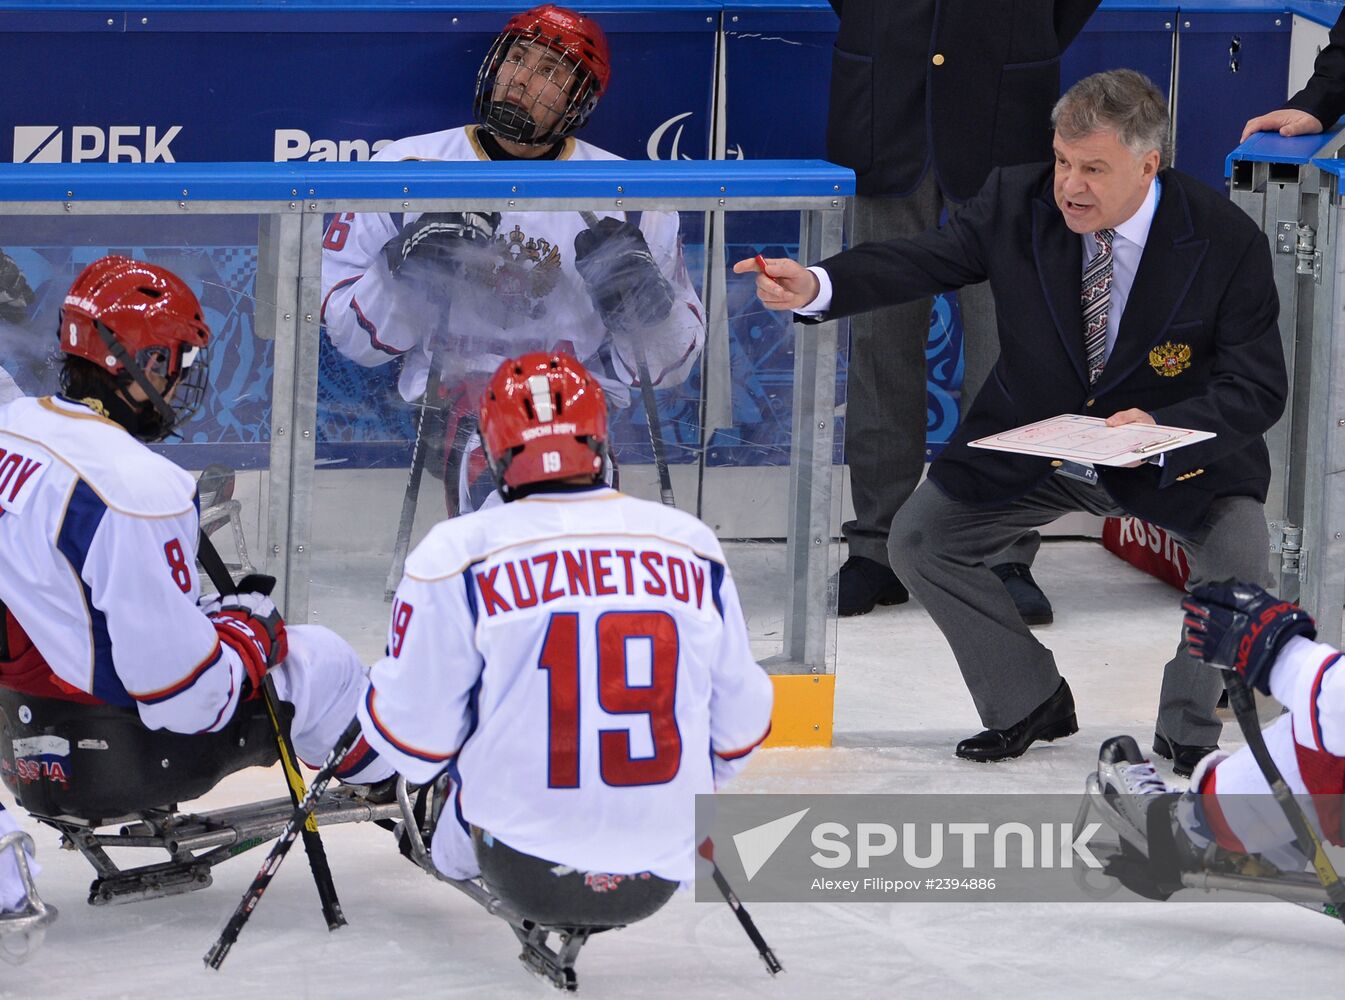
[(22, 932), (1299, 888), (555, 964), (194, 842)]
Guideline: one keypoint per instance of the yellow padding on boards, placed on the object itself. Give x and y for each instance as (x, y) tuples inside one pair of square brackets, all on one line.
[(803, 710)]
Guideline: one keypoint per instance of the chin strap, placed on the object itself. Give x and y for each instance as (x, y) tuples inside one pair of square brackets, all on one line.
[(137, 375)]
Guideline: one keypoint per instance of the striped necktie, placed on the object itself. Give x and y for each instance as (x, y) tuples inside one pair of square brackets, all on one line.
[(1096, 300)]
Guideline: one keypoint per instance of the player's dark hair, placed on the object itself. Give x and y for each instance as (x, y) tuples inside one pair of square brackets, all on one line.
[(83, 380)]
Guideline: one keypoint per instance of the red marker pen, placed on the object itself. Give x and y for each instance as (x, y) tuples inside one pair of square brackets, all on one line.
[(761, 264)]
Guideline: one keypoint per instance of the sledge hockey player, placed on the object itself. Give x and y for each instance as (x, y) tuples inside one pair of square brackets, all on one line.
[(1227, 814), (103, 643), (575, 660), (453, 294)]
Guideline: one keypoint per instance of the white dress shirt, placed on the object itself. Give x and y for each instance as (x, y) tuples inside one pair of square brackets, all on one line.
[(1127, 248)]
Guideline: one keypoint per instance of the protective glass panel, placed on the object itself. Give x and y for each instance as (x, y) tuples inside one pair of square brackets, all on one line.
[(420, 308)]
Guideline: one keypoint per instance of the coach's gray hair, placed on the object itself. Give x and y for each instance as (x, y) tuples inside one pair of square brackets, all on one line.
[(1121, 100)]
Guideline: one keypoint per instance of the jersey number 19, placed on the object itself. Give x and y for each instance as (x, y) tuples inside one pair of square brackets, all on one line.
[(657, 700)]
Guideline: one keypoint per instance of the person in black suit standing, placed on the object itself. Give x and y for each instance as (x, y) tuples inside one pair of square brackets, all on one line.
[(926, 97), (1320, 102), (1126, 290)]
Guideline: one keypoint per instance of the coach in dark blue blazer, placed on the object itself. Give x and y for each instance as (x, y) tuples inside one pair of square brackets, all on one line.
[(1123, 290)]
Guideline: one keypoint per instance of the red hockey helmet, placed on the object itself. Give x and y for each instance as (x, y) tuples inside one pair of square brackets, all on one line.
[(543, 417), (134, 319), (580, 79)]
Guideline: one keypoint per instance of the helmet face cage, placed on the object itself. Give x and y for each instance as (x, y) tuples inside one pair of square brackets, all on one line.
[(565, 49), (185, 372), (543, 417)]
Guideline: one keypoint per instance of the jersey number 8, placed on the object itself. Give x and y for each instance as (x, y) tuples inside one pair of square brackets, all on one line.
[(616, 695)]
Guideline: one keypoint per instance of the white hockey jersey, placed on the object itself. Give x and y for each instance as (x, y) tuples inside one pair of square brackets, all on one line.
[(526, 296), (99, 536), (581, 662)]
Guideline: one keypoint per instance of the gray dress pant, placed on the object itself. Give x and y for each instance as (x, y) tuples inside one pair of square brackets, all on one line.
[(939, 549), (886, 410)]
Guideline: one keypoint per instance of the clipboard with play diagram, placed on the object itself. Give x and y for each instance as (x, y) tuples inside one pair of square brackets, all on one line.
[(1089, 441)]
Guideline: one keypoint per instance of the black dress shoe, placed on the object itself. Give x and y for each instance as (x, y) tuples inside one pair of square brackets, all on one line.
[(1033, 606), (864, 583), (1184, 758), (1053, 719)]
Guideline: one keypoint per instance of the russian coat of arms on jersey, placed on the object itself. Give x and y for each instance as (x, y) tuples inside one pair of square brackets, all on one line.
[(525, 273)]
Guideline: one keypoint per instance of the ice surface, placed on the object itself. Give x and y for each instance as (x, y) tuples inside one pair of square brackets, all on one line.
[(900, 708)]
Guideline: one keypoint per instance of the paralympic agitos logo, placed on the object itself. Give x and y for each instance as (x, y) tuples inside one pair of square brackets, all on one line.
[(665, 142)]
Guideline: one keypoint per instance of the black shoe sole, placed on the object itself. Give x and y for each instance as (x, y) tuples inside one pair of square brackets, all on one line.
[(1049, 734), (887, 599), (1036, 621), (1164, 749)]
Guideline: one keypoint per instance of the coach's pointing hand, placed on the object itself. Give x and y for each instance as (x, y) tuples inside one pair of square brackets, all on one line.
[(785, 285)]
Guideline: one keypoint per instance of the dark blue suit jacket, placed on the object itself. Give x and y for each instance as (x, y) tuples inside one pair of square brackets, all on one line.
[(1198, 346), (956, 86)]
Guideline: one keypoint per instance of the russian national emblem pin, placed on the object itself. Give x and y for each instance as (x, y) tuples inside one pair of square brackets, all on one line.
[(1170, 359)]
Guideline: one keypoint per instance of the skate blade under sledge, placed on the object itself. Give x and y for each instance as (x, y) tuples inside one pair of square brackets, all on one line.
[(1299, 888)]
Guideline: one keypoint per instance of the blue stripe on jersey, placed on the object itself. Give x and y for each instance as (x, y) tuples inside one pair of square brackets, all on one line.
[(176, 688), (469, 581), (455, 775), (82, 517), (717, 581)]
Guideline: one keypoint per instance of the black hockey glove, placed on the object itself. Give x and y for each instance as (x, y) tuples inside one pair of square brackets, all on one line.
[(626, 286), (1239, 626), (15, 293), (438, 239)]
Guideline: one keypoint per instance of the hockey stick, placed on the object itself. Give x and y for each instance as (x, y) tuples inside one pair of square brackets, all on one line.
[(425, 428), (651, 417), (1244, 708), (214, 958), (707, 851), (289, 762)]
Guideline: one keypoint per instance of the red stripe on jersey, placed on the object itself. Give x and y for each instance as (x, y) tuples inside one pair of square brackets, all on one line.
[(1323, 776), (406, 748), (1223, 833), (354, 758), (163, 694), (369, 328), (735, 754)]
